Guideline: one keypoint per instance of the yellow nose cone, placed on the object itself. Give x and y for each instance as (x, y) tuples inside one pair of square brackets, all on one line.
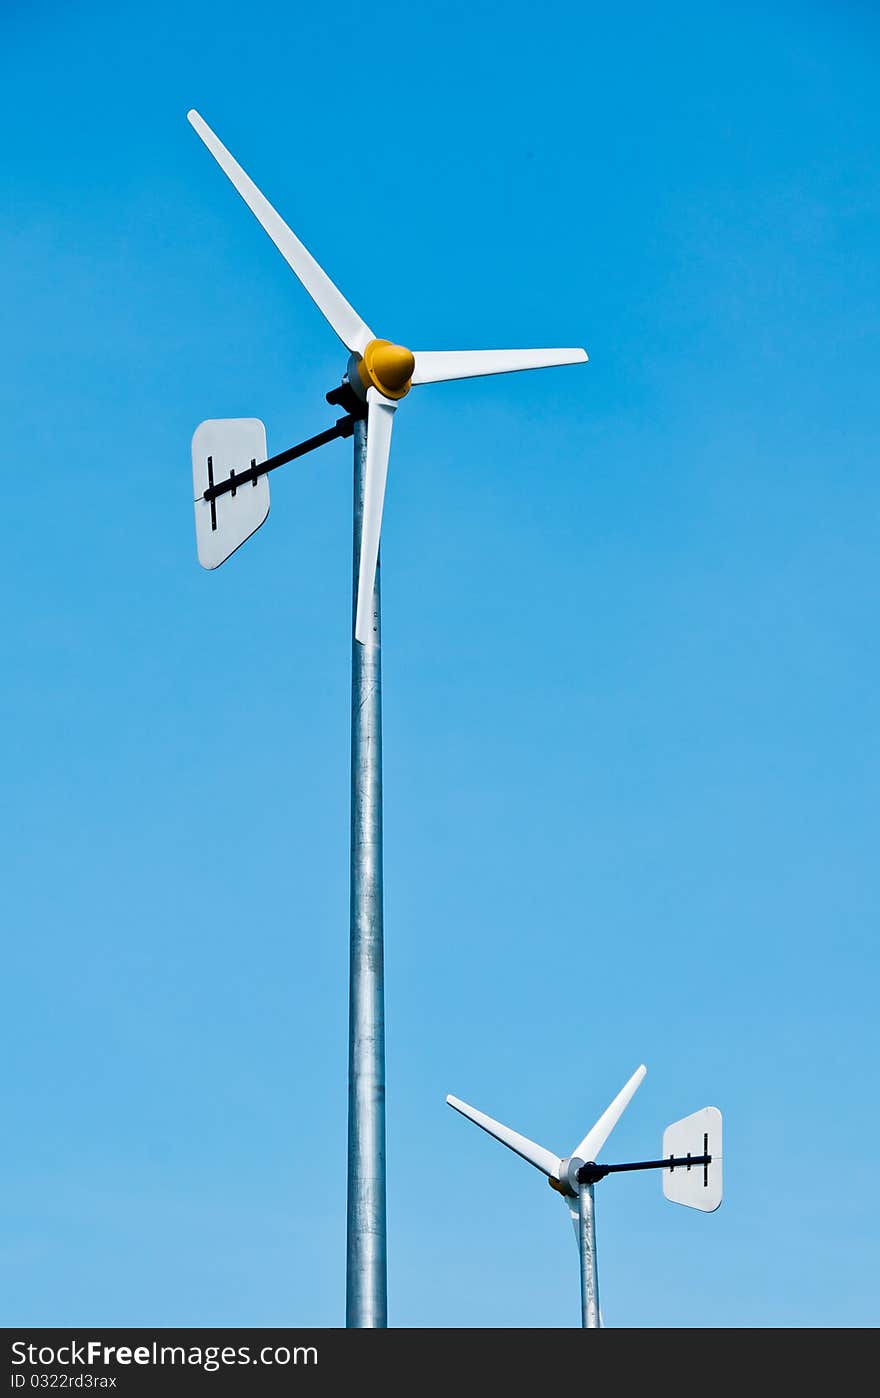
[(393, 365), (387, 367)]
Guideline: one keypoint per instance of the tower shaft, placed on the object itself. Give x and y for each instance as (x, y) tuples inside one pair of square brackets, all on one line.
[(366, 1271)]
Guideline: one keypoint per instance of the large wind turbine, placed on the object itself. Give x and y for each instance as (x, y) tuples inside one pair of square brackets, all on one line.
[(232, 501), (691, 1163)]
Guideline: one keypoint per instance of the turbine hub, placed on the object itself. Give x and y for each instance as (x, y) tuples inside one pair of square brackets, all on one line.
[(387, 367), (567, 1183)]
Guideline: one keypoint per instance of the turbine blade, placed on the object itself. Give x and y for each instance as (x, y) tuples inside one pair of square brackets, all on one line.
[(574, 1211), (597, 1135), (543, 1160), (438, 366), (380, 419), (352, 331)]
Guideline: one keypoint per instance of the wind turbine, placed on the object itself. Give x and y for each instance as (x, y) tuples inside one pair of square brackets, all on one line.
[(379, 372), (231, 499), (691, 1163)]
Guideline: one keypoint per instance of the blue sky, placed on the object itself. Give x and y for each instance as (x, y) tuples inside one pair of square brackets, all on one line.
[(629, 654)]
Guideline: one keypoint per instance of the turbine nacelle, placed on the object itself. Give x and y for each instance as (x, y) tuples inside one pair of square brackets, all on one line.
[(384, 366), (565, 1181)]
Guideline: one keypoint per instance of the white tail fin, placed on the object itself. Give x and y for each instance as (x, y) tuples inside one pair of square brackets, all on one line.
[(597, 1135), (695, 1186), (220, 447), (352, 331), (543, 1160)]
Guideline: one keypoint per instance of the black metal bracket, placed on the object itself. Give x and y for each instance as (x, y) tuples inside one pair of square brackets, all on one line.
[(236, 479), (591, 1173), (344, 397)]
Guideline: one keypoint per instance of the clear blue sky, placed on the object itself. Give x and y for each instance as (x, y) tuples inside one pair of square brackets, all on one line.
[(630, 656)]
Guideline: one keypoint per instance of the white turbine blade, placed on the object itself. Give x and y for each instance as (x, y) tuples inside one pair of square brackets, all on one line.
[(596, 1137), (438, 366), (543, 1160), (380, 419), (574, 1210), (352, 331)]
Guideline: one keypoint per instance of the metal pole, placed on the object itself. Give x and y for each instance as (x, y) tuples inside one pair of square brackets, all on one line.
[(366, 1280), (587, 1240)]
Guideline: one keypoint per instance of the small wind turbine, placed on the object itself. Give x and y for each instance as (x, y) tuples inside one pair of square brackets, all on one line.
[(231, 498), (691, 1164), (379, 372)]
